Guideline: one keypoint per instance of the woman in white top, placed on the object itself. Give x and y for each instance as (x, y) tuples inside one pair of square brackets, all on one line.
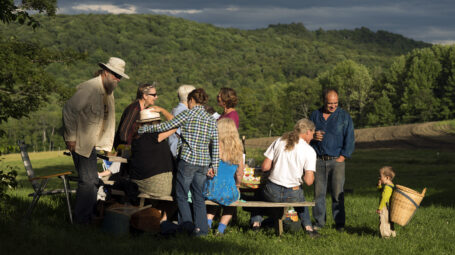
[(288, 158)]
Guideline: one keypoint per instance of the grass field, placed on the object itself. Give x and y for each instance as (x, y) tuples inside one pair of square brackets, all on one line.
[(431, 231)]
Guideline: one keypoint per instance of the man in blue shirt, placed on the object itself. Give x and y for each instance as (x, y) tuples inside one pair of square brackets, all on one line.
[(333, 142), (183, 92)]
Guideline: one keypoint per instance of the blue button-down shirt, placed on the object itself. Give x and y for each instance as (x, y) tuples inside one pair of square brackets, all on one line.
[(339, 133), (174, 138), (198, 132)]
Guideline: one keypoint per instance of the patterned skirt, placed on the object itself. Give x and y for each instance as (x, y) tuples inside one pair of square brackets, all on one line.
[(157, 185)]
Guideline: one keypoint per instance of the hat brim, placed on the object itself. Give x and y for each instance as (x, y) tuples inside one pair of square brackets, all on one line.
[(147, 120), (113, 69)]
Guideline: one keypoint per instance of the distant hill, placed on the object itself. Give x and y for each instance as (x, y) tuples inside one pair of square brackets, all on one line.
[(265, 66), (361, 39), (175, 51)]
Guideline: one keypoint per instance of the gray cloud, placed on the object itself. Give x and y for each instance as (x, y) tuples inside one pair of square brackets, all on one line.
[(418, 19)]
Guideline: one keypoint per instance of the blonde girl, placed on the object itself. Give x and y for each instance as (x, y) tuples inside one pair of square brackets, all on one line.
[(223, 188)]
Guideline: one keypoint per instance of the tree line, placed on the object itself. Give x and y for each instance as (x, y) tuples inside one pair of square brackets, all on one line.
[(278, 72)]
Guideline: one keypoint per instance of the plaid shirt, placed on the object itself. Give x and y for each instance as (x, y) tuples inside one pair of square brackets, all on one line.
[(198, 132)]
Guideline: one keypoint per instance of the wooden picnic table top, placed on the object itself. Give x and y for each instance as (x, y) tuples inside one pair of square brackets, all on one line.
[(112, 158), (240, 203)]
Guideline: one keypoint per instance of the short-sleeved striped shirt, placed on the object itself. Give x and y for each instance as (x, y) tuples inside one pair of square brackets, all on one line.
[(198, 134)]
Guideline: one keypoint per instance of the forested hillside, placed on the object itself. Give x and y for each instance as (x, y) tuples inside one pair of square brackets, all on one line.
[(278, 71)]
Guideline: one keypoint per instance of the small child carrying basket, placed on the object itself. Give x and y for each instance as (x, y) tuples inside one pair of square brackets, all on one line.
[(404, 204)]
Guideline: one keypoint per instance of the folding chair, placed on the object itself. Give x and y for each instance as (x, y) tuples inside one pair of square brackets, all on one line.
[(39, 187)]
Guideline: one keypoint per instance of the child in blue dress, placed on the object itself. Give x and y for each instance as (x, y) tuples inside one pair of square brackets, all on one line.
[(223, 188)]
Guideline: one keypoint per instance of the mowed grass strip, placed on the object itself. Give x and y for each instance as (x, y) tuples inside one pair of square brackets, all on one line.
[(431, 231)]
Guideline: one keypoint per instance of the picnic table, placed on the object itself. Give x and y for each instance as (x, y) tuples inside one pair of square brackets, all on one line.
[(253, 179)]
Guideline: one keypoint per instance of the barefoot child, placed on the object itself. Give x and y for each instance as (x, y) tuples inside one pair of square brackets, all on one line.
[(386, 186)]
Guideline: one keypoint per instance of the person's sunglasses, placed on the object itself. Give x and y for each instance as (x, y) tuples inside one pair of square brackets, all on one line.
[(118, 76), (154, 95)]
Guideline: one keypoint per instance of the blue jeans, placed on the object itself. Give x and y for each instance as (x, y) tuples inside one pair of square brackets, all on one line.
[(87, 187), (277, 193), (191, 177), (329, 172)]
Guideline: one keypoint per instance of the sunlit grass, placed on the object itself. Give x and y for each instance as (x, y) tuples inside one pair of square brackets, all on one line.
[(449, 126), (431, 231)]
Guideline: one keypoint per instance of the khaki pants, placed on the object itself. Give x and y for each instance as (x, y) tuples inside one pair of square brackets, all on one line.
[(386, 227)]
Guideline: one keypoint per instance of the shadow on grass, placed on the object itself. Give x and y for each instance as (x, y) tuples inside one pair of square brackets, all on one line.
[(49, 224), (361, 230), (51, 209), (445, 198)]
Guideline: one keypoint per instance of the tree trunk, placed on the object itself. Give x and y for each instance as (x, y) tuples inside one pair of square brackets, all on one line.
[(44, 139), (50, 139)]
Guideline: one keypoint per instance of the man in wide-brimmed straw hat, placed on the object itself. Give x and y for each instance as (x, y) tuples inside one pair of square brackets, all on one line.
[(89, 125)]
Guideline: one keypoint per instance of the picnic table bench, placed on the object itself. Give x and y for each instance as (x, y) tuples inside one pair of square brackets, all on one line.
[(263, 204), (240, 203)]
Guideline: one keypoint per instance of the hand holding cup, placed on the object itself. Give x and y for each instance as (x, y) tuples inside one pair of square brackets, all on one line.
[(318, 135)]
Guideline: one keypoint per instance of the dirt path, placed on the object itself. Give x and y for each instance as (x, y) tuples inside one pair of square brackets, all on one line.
[(432, 135)]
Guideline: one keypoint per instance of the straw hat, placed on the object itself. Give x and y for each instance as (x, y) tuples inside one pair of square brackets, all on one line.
[(147, 115), (115, 65)]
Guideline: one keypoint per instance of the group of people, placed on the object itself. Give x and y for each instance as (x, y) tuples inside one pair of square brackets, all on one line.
[(196, 155)]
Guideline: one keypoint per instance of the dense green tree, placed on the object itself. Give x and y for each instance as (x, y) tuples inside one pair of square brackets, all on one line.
[(13, 12), (300, 98), (445, 89), (24, 83), (419, 102), (353, 83), (249, 104), (381, 111), (274, 69), (420, 85)]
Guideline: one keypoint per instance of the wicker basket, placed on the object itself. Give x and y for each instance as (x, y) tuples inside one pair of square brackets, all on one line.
[(404, 203)]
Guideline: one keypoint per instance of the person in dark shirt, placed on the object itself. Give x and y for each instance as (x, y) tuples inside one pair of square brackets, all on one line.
[(146, 96), (333, 142), (151, 163)]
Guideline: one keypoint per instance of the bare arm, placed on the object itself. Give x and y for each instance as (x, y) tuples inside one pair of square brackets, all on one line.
[(239, 174), (308, 178), (267, 165), (163, 111), (164, 135)]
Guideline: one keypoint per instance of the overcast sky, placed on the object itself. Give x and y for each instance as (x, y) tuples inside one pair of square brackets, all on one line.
[(426, 20)]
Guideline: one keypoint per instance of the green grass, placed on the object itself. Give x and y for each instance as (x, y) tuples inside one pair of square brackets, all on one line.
[(431, 231), (450, 125)]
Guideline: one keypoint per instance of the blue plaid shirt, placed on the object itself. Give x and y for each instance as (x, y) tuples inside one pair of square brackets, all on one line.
[(198, 132)]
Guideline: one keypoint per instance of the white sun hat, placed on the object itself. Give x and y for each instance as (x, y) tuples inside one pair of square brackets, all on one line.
[(115, 65), (147, 115)]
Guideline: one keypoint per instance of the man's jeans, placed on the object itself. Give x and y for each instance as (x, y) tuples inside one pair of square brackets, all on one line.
[(329, 172), (278, 193), (87, 187), (191, 177)]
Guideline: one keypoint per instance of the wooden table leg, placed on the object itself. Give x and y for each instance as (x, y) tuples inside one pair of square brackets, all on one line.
[(141, 202), (279, 224)]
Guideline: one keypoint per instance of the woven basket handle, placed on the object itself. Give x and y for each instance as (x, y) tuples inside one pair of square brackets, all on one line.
[(424, 191)]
